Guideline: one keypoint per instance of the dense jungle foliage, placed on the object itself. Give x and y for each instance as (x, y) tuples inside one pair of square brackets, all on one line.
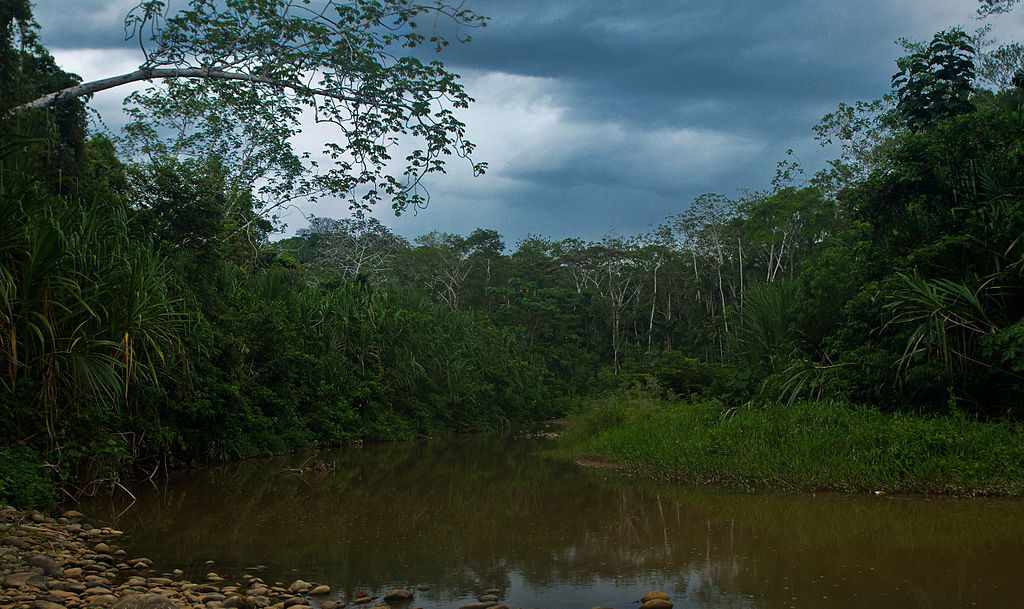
[(147, 320)]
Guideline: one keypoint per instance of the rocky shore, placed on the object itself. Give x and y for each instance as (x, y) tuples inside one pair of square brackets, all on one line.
[(65, 563)]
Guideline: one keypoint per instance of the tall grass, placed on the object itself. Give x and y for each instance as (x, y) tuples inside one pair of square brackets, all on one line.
[(805, 446)]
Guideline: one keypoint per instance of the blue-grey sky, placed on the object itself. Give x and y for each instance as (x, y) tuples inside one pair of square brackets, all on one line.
[(603, 115)]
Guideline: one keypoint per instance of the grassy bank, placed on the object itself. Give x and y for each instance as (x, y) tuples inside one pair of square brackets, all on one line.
[(806, 446)]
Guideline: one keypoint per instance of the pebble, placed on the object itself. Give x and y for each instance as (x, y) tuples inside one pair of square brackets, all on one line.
[(299, 586), (144, 601), (398, 595), (98, 590), (73, 567), (160, 581), (47, 564), (24, 578), (239, 602)]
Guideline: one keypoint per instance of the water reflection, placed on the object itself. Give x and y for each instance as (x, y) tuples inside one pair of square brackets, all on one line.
[(478, 512)]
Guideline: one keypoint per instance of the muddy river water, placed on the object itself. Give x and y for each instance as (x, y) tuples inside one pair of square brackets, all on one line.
[(465, 514)]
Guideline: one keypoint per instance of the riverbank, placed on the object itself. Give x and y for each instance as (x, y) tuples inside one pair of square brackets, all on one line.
[(803, 447), (65, 563)]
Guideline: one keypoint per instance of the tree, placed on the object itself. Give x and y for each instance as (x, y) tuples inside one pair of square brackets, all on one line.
[(355, 248), (617, 283), (936, 82), (785, 225), (701, 229), (447, 260), (1002, 67), (992, 7), (863, 132), (237, 76), (28, 70)]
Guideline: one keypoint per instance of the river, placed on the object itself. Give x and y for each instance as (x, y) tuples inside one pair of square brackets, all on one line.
[(465, 514)]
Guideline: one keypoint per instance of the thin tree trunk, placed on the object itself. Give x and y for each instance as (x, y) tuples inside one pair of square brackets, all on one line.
[(654, 302), (739, 244)]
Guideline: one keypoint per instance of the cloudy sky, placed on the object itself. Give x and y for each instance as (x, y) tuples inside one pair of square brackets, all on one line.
[(610, 115)]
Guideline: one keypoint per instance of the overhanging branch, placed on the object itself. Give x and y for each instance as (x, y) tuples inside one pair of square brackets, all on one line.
[(51, 99)]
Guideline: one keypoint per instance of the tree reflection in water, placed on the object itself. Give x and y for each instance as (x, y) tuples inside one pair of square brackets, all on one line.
[(484, 511)]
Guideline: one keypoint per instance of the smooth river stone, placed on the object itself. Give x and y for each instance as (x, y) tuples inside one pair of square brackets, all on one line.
[(160, 581), (657, 603), (47, 564), (16, 542), (144, 601), (24, 578), (398, 595), (321, 590), (238, 601), (98, 590), (653, 594), (60, 596)]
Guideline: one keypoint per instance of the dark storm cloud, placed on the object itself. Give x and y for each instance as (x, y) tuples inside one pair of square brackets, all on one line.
[(689, 62), (599, 113), (91, 24)]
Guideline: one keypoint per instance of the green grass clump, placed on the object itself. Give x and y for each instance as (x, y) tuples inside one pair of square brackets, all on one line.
[(805, 446)]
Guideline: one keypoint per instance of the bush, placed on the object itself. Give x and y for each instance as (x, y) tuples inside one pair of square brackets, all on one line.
[(23, 481)]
